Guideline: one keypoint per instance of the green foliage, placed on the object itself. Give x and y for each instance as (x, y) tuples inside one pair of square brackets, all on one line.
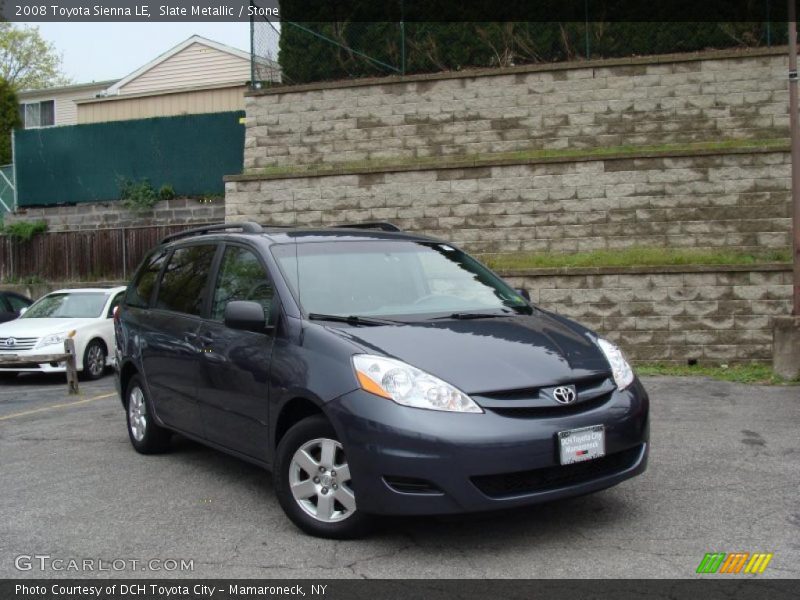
[(737, 373), (137, 196), (166, 192), (23, 231), (28, 61), (633, 257), (9, 119)]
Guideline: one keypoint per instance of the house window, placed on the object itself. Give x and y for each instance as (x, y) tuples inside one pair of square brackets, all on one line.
[(38, 114)]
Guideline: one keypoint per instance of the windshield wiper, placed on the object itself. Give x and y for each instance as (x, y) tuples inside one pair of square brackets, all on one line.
[(351, 319), (466, 316)]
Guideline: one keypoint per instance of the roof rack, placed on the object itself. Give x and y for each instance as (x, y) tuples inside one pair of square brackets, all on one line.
[(246, 227), (382, 225)]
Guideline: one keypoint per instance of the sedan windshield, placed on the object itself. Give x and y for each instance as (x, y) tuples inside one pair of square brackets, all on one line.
[(391, 278), (74, 305)]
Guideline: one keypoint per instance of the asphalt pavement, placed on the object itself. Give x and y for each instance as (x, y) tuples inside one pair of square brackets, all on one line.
[(723, 477)]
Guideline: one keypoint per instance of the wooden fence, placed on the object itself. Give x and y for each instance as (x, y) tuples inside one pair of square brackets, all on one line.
[(101, 254)]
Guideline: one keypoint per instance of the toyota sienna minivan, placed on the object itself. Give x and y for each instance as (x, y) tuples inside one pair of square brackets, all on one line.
[(374, 372)]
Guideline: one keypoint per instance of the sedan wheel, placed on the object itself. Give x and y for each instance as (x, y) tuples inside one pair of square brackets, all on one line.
[(94, 360)]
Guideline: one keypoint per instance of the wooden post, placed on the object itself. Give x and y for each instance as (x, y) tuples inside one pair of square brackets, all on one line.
[(72, 370)]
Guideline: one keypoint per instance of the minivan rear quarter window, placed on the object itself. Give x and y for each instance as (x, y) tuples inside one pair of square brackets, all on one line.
[(141, 291), (184, 279)]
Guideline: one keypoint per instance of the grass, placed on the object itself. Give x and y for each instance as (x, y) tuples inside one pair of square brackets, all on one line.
[(737, 373), (632, 257), (476, 160)]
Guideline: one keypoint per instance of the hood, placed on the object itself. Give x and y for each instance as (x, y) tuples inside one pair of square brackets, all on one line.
[(489, 355), (39, 327)]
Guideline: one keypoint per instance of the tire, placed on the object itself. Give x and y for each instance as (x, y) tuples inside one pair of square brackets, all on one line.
[(94, 361), (300, 484), (146, 436)]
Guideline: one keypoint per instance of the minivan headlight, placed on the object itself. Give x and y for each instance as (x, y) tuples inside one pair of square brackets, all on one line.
[(409, 386), (622, 371), (53, 338)]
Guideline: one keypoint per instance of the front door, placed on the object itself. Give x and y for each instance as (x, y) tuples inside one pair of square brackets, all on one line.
[(233, 384)]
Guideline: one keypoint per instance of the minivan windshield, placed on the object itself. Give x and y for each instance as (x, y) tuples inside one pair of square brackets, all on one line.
[(75, 305), (383, 278)]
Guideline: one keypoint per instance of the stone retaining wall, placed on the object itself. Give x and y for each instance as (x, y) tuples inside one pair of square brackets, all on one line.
[(103, 215), (635, 101), (716, 315), (734, 200)]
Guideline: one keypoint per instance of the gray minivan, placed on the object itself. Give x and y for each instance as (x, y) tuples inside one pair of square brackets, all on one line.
[(374, 372)]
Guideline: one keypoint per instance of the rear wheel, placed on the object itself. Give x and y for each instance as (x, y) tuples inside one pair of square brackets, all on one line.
[(94, 360), (313, 483), (146, 436)]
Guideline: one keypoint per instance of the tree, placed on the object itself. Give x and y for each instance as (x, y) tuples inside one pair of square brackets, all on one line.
[(28, 61), (9, 118)]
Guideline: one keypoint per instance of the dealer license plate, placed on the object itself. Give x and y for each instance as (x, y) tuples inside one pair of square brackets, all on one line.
[(578, 445)]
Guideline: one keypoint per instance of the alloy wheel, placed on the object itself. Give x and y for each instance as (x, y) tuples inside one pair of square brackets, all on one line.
[(137, 414), (319, 478)]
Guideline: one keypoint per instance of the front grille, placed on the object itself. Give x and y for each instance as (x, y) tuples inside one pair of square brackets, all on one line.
[(504, 485), (552, 411), (19, 345)]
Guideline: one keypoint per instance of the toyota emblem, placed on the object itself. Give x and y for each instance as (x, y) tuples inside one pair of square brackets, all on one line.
[(564, 394), (11, 342)]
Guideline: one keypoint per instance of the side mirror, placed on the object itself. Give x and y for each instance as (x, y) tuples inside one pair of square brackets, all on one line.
[(245, 315), (23, 310), (524, 293)]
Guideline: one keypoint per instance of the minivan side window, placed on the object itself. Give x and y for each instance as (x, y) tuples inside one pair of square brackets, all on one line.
[(183, 283), (141, 291), (241, 277)]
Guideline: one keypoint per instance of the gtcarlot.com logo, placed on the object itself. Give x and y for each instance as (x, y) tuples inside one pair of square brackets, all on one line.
[(735, 562), (45, 562)]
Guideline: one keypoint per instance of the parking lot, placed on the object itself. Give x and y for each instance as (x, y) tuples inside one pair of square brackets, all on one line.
[(723, 477)]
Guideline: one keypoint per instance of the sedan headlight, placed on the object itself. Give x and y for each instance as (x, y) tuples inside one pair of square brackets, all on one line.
[(622, 371), (409, 386), (53, 338)]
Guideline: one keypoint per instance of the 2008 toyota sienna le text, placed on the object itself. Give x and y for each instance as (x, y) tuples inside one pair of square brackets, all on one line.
[(374, 372)]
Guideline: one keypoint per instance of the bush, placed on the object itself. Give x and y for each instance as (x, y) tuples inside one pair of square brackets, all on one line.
[(23, 231), (137, 196), (166, 192)]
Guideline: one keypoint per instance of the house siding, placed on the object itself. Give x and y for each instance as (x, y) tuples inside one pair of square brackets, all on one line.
[(195, 66), (66, 109), (120, 108)]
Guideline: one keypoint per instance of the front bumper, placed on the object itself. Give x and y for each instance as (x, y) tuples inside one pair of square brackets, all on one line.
[(32, 367), (412, 461)]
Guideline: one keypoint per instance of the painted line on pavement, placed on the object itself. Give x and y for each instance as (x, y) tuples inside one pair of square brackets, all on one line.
[(55, 406)]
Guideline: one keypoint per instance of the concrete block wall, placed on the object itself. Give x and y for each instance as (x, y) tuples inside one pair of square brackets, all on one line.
[(105, 215), (716, 315), (735, 200), (636, 101)]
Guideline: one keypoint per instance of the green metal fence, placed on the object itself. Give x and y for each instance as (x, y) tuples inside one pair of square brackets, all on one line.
[(90, 163)]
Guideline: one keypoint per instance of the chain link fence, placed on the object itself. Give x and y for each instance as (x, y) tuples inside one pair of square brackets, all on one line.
[(294, 52)]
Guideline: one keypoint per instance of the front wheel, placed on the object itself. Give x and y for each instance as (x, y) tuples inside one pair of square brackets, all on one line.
[(313, 483), (94, 360)]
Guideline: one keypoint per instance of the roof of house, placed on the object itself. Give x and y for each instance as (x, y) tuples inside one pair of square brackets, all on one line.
[(195, 39), (75, 87)]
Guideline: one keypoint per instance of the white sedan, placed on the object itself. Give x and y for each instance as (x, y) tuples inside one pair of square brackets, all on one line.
[(43, 327)]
